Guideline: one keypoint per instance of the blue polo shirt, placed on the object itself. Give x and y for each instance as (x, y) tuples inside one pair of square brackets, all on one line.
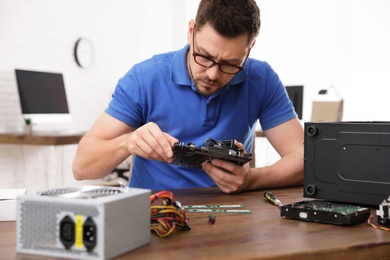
[(160, 90)]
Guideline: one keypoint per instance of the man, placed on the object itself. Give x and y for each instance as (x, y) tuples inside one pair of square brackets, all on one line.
[(209, 89)]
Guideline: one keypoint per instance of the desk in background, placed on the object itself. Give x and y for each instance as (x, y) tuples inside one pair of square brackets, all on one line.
[(54, 165), (43, 139), (260, 235)]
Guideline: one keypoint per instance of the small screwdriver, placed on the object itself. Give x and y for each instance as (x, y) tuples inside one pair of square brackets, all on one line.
[(269, 195)]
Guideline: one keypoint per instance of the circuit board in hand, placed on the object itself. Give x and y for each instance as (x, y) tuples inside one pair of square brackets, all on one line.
[(191, 156), (326, 212)]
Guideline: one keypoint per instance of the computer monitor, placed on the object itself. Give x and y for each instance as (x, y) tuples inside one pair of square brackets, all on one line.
[(42, 97), (296, 95)]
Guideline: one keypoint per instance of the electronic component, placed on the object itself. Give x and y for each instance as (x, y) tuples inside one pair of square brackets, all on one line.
[(89, 222), (270, 196), (231, 211), (218, 209), (167, 216), (212, 219), (191, 156), (384, 213), (211, 206), (326, 212)]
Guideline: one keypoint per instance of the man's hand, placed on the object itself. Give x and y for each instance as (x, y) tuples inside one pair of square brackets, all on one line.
[(150, 142), (229, 177)]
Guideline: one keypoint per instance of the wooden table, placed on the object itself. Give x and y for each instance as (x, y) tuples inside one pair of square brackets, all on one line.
[(40, 139), (260, 235)]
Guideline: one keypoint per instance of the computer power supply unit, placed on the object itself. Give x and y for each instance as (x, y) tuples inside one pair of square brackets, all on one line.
[(90, 222)]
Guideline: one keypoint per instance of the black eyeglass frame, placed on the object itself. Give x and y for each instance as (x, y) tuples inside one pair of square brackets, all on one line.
[(213, 62)]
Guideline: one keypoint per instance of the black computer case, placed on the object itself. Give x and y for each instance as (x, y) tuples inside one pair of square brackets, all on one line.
[(347, 162)]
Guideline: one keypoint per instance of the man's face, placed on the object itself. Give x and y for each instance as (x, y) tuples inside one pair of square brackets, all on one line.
[(213, 47)]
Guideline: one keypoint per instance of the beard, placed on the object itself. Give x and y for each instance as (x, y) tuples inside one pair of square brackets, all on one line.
[(206, 86)]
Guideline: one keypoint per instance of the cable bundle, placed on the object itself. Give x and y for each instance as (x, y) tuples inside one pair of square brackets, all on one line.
[(166, 216), (376, 225)]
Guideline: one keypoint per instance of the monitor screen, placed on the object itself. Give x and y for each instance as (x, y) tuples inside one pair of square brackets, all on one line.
[(296, 95), (42, 96)]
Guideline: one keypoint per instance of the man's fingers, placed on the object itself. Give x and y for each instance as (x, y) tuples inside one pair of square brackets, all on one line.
[(150, 142)]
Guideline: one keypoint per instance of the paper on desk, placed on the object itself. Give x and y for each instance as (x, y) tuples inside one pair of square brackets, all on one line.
[(8, 203)]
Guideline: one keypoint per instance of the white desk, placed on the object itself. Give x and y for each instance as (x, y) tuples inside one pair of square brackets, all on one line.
[(53, 169)]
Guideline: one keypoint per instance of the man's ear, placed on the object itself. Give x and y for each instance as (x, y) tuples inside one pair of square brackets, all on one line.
[(191, 25), (253, 43)]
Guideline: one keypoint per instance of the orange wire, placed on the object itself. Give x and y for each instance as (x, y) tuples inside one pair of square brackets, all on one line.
[(377, 226), (164, 218)]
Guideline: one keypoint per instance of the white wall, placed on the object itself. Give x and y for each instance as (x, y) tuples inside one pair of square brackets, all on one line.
[(317, 43), (344, 43)]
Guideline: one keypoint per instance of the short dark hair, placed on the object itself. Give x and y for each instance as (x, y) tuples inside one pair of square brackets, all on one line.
[(230, 18)]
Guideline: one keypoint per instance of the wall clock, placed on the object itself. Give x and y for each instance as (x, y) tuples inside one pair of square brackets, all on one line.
[(84, 52)]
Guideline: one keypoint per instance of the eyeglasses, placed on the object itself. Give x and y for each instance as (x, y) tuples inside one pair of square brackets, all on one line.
[(209, 63)]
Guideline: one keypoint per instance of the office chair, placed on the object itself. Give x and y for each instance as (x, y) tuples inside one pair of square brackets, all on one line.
[(120, 176)]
